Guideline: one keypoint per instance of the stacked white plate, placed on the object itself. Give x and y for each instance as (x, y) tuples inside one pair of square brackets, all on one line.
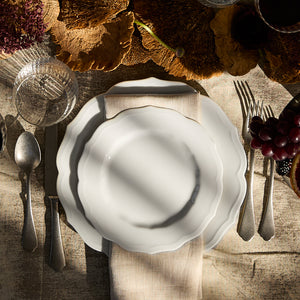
[(151, 179)]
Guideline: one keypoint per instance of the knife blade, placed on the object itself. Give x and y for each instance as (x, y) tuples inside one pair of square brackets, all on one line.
[(57, 256)]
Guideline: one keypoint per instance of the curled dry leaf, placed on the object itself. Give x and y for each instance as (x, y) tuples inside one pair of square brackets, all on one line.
[(98, 48), (77, 14), (137, 53), (237, 60), (50, 12), (282, 57), (185, 25)]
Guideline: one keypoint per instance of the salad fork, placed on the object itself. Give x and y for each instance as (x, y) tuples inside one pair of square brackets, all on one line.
[(266, 227), (246, 223)]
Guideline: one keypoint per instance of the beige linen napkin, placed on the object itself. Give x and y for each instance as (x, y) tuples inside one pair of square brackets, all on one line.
[(168, 275)]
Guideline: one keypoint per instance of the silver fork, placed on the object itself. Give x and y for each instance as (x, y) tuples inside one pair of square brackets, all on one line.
[(266, 227), (246, 223)]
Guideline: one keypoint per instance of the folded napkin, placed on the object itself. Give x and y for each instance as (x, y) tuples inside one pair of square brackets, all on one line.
[(163, 276)]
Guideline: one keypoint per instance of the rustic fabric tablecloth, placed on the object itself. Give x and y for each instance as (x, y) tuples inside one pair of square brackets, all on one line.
[(233, 270)]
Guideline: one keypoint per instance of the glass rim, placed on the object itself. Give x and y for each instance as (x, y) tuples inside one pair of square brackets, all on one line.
[(218, 3), (283, 29)]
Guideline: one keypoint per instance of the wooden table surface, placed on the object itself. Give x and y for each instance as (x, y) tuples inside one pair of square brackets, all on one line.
[(235, 269)]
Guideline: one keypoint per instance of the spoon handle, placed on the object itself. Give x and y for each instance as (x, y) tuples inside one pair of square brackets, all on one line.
[(29, 237)]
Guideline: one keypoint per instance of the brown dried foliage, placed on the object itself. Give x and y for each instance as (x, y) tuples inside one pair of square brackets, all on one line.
[(137, 53), (78, 14), (98, 48), (237, 60), (282, 57), (50, 12), (183, 23)]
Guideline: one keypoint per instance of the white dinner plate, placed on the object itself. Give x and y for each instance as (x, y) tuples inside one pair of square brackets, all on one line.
[(226, 137), (150, 179)]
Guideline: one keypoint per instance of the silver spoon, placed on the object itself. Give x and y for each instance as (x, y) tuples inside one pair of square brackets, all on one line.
[(28, 157)]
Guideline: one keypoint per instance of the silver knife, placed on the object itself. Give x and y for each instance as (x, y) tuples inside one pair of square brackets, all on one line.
[(57, 257)]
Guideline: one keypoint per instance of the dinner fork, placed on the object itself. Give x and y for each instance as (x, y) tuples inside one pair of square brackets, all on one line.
[(266, 227), (246, 223)]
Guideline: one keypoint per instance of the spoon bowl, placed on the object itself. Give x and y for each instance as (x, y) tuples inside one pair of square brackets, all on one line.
[(27, 152), (28, 157)]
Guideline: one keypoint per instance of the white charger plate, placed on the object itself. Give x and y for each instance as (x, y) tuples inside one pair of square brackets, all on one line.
[(213, 119), (150, 179)]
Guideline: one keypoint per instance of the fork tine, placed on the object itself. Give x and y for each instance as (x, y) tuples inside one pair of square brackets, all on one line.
[(268, 112), (261, 109), (271, 113), (256, 108)]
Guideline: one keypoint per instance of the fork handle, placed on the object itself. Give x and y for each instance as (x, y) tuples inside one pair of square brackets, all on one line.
[(246, 224), (266, 227)]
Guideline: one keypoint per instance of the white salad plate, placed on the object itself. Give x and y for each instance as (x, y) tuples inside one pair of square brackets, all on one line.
[(213, 119), (150, 179)]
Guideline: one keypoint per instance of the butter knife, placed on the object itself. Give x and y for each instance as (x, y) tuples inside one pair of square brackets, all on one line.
[(57, 256)]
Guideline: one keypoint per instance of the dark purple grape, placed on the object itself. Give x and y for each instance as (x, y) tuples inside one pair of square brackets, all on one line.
[(297, 120), (294, 135), (280, 153), (275, 157), (287, 115), (256, 143), (283, 127), (255, 128), (280, 141), (257, 119), (267, 149), (292, 149), (272, 122), (266, 134)]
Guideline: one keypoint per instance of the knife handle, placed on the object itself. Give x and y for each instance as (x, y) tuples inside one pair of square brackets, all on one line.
[(57, 257), (29, 237)]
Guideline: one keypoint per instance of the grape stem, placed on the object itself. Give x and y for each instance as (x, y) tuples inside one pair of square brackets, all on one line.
[(178, 51)]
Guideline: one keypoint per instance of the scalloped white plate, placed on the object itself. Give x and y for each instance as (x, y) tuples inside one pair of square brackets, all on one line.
[(214, 120), (150, 179)]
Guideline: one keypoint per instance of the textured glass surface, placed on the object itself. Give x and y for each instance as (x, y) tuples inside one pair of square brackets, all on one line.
[(45, 91)]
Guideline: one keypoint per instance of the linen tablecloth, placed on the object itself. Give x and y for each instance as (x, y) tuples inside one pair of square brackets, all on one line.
[(235, 269)]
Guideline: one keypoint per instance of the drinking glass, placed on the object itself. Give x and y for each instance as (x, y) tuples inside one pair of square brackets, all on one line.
[(45, 91), (217, 3), (280, 15)]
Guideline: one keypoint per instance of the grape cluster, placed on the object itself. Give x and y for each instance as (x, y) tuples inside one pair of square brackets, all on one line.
[(277, 138)]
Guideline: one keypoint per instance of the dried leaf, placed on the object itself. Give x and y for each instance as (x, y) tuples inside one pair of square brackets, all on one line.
[(50, 12), (99, 48), (137, 53), (237, 60), (184, 25), (282, 57), (78, 14)]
